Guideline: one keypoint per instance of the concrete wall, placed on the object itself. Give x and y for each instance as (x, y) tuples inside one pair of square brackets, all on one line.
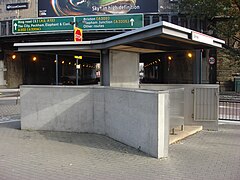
[(137, 118), (163, 123), (124, 69), (14, 70), (2, 69), (31, 12), (57, 109), (132, 118), (194, 99)]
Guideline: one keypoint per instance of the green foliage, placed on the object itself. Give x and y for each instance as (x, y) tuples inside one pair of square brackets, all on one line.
[(228, 64), (208, 8), (223, 15), (203, 8)]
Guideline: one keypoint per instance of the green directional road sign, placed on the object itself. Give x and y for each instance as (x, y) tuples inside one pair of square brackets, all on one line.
[(42, 25), (110, 22)]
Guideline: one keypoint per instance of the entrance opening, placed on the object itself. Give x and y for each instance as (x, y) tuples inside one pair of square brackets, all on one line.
[(164, 68), (40, 69), (168, 68)]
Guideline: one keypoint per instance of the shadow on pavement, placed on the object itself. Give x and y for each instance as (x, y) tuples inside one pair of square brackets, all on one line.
[(92, 141)]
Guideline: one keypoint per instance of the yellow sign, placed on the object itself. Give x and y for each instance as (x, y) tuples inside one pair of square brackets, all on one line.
[(78, 57)]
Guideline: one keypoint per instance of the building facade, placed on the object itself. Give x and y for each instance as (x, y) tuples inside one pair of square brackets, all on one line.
[(175, 67), (12, 13)]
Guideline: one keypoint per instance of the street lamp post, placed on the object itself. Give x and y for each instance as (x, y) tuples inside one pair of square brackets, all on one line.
[(56, 69), (76, 71), (77, 67)]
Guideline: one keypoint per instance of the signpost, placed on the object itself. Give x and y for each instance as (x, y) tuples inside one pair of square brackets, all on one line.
[(110, 22), (211, 60), (42, 25), (77, 67), (101, 22)]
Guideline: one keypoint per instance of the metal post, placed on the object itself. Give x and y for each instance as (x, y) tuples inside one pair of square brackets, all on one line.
[(105, 68), (56, 69), (1, 29), (198, 24), (213, 67), (160, 18), (188, 22), (201, 69), (76, 72), (169, 18), (197, 79), (7, 28), (179, 21), (18, 14), (151, 19)]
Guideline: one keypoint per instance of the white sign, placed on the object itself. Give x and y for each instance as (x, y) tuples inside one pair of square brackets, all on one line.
[(16, 6), (211, 60), (199, 37)]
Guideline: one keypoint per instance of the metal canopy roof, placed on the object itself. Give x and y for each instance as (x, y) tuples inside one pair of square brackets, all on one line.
[(158, 37)]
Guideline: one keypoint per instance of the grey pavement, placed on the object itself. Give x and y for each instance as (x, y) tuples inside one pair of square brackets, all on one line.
[(60, 155), (38, 155)]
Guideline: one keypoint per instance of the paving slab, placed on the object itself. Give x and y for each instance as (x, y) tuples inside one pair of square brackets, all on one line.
[(38, 155)]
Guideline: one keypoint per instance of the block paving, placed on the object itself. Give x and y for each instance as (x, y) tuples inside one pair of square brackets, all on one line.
[(41, 155), (31, 155)]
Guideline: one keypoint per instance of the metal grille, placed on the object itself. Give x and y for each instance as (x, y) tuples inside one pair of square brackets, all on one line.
[(229, 109), (205, 104)]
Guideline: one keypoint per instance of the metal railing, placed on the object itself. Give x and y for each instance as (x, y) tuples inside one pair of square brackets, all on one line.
[(229, 109), (10, 94)]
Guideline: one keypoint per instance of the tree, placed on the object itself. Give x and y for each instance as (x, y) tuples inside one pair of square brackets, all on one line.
[(223, 16), (223, 19)]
